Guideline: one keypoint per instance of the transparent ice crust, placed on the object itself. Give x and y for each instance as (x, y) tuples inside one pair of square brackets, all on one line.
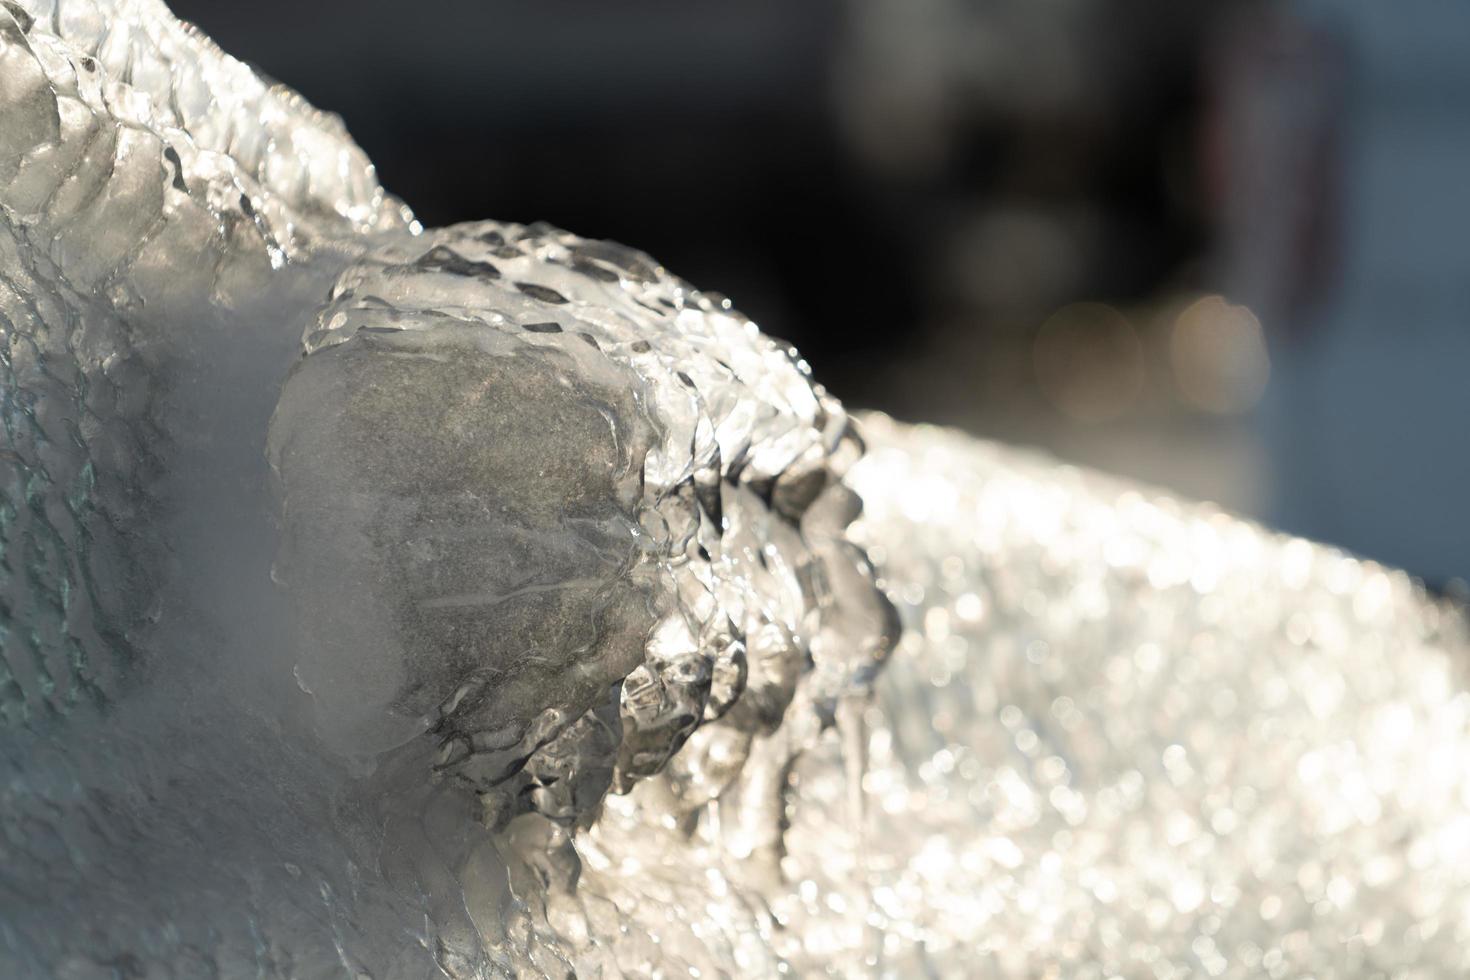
[(487, 601)]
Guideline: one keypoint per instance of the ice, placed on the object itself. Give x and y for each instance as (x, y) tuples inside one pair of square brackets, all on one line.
[(418, 572), (487, 601)]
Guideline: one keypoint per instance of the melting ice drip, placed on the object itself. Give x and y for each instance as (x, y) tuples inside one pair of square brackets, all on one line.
[(487, 601)]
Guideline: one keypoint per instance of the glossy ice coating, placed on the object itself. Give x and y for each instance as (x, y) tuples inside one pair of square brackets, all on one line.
[(486, 601), (349, 566)]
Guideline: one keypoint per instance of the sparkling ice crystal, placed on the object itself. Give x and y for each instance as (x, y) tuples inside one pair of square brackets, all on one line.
[(488, 602)]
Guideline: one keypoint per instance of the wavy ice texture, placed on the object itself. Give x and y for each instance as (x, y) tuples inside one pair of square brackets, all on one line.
[(418, 543), (486, 601)]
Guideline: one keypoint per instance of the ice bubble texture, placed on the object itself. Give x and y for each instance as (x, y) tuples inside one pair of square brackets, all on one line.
[(489, 602)]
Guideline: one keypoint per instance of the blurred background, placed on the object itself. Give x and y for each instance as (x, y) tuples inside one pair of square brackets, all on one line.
[(1218, 246)]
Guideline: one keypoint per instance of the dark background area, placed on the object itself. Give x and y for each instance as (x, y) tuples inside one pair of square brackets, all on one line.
[(725, 139), (1097, 226)]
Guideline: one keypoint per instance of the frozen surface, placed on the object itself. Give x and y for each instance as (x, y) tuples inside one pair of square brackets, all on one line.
[(1128, 736), (486, 601)]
